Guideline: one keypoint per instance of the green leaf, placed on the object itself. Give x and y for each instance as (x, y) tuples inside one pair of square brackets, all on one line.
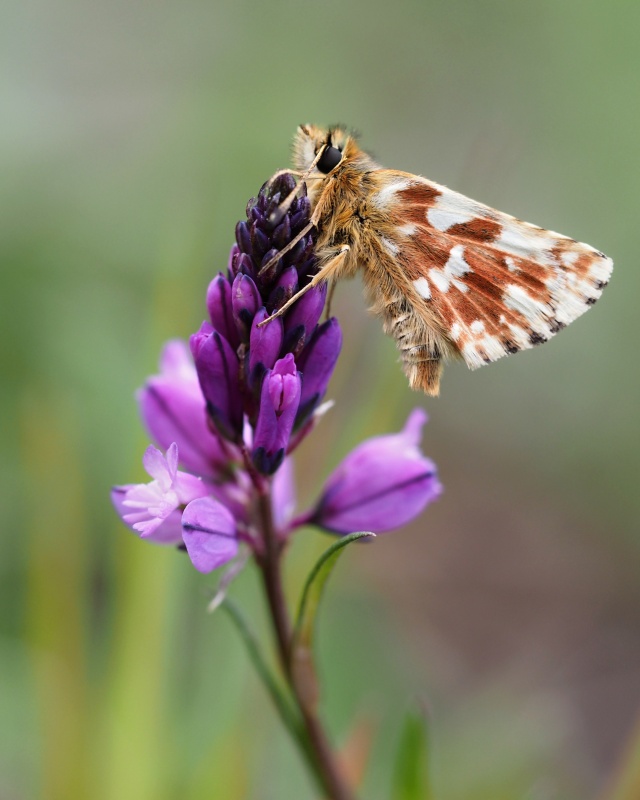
[(312, 592), (411, 779)]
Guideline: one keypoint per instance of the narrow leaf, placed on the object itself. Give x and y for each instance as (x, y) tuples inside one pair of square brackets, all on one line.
[(312, 592), (278, 694), (411, 774)]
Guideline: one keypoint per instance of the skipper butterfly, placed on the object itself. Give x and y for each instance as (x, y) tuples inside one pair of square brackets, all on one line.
[(450, 277)]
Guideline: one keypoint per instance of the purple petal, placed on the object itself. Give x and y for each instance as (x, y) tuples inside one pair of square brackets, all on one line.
[(209, 534), (382, 484)]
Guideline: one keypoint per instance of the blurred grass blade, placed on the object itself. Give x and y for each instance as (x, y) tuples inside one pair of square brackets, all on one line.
[(625, 783), (411, 779), (278, 694), (312, 592)]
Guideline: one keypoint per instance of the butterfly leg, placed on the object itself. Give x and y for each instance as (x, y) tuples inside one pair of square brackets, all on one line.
[(288, 247), (325, 273), (332, 289)]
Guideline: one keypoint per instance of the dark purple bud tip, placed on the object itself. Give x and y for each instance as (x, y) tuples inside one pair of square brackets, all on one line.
[(265, 463), (282, 234), (265, 343), (286, 287), (259, 242), (243, 237), (272, 271), (245, 300), (301, 321)]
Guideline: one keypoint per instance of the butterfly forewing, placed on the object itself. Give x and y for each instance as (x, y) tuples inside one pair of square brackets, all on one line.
[(496, 284)]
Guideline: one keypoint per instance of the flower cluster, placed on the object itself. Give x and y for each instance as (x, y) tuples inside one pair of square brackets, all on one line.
[(230, 409)]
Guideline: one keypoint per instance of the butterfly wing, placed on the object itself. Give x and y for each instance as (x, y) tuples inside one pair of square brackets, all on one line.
[(494, 284)]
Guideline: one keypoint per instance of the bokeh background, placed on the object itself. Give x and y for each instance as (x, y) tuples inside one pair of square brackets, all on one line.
[(132, 135)]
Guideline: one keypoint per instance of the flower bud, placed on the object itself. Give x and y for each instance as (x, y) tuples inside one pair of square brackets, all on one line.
[(245, 301), (265, 343), (301, 321), (220, 308), (217, 368), (279, 401), (317, 362)]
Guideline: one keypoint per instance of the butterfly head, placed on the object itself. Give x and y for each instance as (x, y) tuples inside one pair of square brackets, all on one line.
[(335, 144)]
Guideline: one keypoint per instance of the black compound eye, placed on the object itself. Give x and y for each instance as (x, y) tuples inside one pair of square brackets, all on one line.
[(329, 159)]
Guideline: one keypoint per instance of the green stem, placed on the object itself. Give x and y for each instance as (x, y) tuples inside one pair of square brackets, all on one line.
[(323, 762)]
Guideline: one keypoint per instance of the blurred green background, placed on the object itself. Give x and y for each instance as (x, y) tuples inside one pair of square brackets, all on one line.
[(131, 136)]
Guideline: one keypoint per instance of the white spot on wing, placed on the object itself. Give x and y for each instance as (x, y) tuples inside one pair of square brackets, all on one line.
[(511, 264), (477, 326), (536, 313), (409, 229), (386, 194), (445, 218), (455, 268), (439, 280), (526, 241), (569, 257), (422, 287)]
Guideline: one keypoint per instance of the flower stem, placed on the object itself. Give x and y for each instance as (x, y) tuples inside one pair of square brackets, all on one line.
[(324, 765)]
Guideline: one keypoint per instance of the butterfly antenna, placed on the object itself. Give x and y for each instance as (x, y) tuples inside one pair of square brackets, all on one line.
[(285, 205)]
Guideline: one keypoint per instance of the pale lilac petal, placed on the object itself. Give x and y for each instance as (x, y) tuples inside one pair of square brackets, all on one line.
[(169, 531), (209, 533), (155, 464), (189, 487)]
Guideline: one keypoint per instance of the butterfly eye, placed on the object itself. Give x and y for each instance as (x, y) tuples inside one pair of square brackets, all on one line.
[(329, 159)]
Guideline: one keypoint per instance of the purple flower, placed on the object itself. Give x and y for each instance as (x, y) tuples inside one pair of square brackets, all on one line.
[(278, 406), (175, 508), (152, 509), (173, 410), (249, 397), (382, 484)]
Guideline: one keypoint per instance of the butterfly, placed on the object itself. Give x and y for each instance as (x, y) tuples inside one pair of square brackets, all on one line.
[(450, 277)]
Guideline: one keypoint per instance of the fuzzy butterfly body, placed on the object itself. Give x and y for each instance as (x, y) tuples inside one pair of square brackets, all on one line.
[(450, 277)]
